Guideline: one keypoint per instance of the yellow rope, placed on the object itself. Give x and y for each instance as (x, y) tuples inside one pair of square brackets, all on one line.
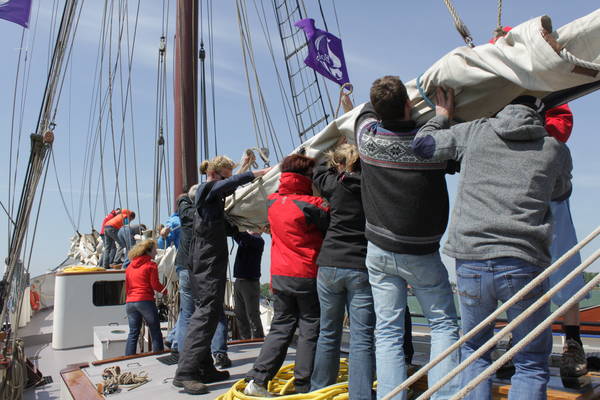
[(80, 268), (282, 385)]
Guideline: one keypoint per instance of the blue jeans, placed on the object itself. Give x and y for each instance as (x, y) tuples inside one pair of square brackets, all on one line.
[(563, 238), (110, 248), (389, 273), (480, 285), (126, 239), (136, 312), (338, 288), (186, 308)]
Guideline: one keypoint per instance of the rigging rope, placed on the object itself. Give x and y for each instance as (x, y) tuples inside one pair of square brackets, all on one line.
[(287, 107), (565, 55), (460, 26)]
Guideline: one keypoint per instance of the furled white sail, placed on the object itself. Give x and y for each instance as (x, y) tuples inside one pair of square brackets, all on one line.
[(485, 79)]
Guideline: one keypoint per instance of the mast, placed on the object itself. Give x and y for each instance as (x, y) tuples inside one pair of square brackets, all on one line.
[(186, 96)]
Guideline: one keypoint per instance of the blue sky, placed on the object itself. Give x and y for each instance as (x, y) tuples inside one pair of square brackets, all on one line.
[(379, 37)]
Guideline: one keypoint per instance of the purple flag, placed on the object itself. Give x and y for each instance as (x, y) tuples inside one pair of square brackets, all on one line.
[(325, 53), (16, 11)]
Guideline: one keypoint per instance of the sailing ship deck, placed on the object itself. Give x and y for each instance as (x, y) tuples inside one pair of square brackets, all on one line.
[(74, 367)]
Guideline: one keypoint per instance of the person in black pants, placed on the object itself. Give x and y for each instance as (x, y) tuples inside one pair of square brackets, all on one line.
[(246, 271), (298, 221), (208, 265)]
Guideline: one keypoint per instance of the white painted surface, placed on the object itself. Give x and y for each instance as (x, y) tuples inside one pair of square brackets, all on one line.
[(110, 341), (75, 314)]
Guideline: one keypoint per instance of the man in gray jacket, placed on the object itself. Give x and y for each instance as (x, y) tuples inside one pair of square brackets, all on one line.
[(500, 230)]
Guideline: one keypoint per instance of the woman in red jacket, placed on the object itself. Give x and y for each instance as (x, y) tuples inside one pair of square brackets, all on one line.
[(298, 222), (141, 280)]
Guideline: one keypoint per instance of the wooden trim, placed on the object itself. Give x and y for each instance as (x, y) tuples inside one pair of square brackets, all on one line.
[(131, 357), (108, 271), (244, 341), (500, 392), (78, 383)]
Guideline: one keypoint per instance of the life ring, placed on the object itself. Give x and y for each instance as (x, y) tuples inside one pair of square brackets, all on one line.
[(34, 299)]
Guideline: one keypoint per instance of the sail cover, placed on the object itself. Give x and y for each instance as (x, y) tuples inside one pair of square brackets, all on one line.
[(485, 79)]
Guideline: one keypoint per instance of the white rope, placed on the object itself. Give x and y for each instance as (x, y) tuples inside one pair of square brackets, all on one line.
[(510, 327), (492, 317), (565, 55), (533, 334)]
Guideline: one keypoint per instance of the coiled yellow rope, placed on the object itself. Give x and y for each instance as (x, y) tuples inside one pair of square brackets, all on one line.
[(282, 385), (81, 268)]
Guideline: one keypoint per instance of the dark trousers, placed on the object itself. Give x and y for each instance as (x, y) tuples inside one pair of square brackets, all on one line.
[(208, 288), (247, 308), (291, 311)]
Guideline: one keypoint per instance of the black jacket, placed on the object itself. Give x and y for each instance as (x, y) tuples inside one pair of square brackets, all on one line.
[(248, 256), (345, 244), (185, 209)]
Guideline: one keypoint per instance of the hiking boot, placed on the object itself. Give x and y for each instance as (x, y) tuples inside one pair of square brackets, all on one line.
[(213, 376), (222, 361), (255, 389), (191, 386), (573, 366)]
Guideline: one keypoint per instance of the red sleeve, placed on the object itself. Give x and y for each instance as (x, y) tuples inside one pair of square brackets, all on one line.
[(156, 285), (559, 122)]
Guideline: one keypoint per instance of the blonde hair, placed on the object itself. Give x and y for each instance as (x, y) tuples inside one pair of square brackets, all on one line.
[(345, 154), (216, 164), (143, 247)]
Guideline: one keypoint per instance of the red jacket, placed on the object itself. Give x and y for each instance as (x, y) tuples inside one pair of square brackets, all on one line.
[(119, 220), (559, 122), (141, 280), (108, 217), (298, 222)]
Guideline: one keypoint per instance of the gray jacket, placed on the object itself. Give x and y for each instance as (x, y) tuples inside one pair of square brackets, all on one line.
[(510, 171)]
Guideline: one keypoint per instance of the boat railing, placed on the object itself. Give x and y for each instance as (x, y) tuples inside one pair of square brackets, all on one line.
[(509, 327)]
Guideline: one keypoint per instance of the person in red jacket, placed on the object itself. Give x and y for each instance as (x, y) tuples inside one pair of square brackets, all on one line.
[(111, 235), (141, 281), (108, 217), (298, 222), (573, 364)]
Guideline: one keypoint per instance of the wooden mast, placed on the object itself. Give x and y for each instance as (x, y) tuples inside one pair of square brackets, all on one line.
[(186, 96)]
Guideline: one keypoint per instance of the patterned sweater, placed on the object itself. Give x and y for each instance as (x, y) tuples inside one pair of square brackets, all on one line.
[(404, 196)]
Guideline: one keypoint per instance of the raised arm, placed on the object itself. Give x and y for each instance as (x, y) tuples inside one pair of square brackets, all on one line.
[(225, 187), (325, 179), (436, 139)]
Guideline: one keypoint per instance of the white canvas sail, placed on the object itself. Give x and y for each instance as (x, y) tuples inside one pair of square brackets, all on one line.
[(485, 79)]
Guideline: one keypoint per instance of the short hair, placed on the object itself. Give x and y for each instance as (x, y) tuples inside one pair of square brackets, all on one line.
[(388, 97), (143, 247), (297, 163), (131, 215)]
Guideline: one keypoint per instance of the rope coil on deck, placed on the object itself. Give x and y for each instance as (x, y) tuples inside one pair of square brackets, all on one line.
[(282, 386), (113, 378)]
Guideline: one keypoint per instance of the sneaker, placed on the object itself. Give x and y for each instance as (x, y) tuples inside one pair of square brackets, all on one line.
[(191, 386), (573, 365), (222, 361), (257, 390)]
